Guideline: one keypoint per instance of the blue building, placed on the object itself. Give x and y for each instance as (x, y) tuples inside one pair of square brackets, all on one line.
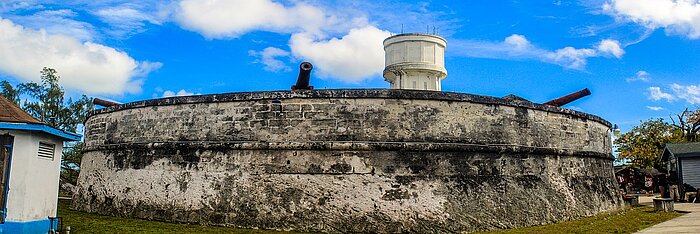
[(30, 164)]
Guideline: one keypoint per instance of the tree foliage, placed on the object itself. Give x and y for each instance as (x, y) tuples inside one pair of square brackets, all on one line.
[(643, 145), (46, 102), (9, 92), (688, 123)]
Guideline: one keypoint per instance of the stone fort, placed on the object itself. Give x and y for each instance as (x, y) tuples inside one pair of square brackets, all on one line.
[(406, 159)]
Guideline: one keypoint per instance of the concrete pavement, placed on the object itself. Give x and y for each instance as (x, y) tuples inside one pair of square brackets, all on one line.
[(688, 223)]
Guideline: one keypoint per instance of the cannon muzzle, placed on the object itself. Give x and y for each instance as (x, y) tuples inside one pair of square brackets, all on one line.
[(104, 103), (304, 76), (569, 98)]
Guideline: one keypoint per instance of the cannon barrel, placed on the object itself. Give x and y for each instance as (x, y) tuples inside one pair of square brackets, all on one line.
[(104, 103), (304, 76), (569, 98)]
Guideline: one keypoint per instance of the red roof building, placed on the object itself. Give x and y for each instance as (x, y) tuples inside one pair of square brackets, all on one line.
[(11, 113)]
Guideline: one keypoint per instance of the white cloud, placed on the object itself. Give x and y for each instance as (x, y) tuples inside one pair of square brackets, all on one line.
[(518, 47), (519, 41), (146, 67), (611, 47), (268, 57), (11, 5), (125, 19), (576, 108), (342, 46), (89, 67), (570, 57), (639, 76), (514, 46), (689, 93), (180, 93), (676, 16), (655, 108), (58, 22), (352, 58), (232, 18), (656, 94)]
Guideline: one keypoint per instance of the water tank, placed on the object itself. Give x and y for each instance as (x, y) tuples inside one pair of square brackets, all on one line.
[(415, 61)]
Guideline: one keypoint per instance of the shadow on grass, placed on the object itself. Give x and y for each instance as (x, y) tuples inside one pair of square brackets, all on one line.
[(81, 222), (628, 221)]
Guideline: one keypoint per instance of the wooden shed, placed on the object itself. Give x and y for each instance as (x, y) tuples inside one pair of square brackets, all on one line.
[(683, 159)]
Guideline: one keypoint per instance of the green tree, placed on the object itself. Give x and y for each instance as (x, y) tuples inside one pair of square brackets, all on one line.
[(45, 101), (9, 92), (644, 143), (688, 123), (70, 164)]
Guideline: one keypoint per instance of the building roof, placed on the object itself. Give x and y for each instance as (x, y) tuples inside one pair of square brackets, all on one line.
[(681, 150), (11, 113), (14, 118), (66, 136)]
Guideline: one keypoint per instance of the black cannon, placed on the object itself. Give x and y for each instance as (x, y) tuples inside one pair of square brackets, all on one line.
[(104, 103), (304, 76), (569, 98)]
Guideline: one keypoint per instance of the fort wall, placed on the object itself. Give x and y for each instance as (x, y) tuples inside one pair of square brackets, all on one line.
[(347, 161)]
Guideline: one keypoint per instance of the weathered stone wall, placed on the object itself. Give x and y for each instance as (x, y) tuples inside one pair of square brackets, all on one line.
[(348, 161)]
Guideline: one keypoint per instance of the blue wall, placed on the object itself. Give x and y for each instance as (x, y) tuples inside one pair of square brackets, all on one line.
[(31, 227)]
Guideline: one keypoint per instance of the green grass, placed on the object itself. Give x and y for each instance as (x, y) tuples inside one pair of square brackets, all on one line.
[(629, 221), (81, 222), (623, 222)]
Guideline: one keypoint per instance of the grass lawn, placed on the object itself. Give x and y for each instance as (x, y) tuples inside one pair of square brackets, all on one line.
[(629, 221), (623, 222), (81, 222)]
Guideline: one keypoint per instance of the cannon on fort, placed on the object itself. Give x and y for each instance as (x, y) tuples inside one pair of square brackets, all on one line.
[(568, 98), (104, 103), (304, 76)]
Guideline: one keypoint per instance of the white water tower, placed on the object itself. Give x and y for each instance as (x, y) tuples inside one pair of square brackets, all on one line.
[(415, 61)]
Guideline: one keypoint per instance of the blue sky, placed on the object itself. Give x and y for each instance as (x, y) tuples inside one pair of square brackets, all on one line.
[(640, 58)]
